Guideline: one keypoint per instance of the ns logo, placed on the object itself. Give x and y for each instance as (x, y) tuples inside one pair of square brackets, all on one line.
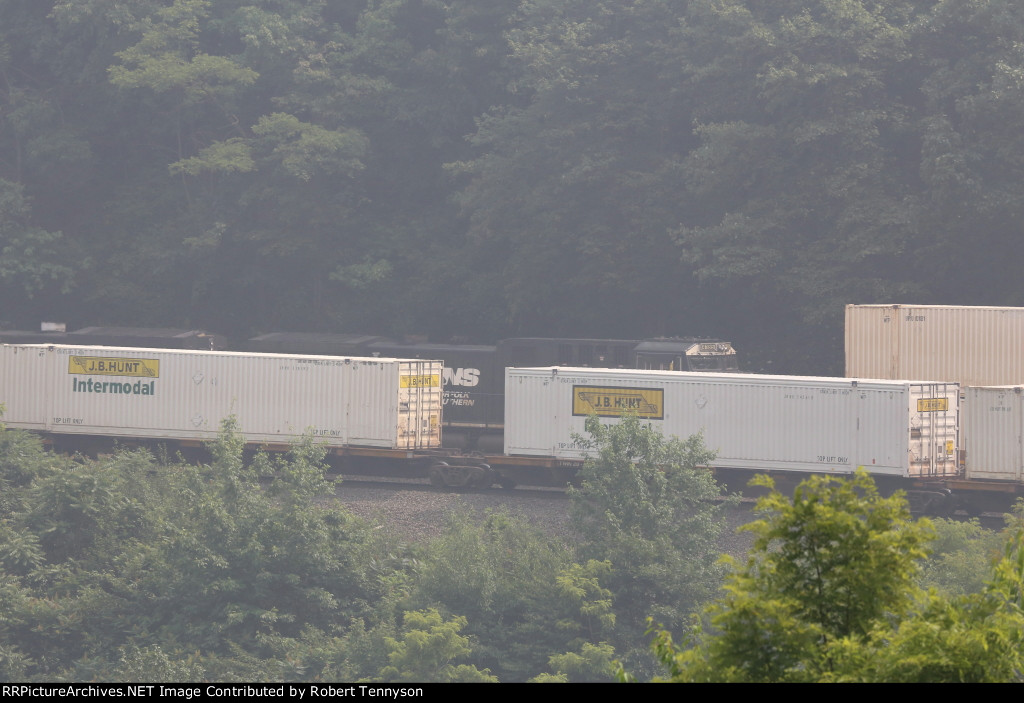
[(461, 377)]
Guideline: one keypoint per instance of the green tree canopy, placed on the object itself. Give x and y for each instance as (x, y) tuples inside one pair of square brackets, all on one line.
[(648, 505), (428, 649), (829, 594)]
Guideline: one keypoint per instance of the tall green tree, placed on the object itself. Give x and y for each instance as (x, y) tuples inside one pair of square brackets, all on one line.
[(648, 505), (967, 69), (127, 562), (802, 194), (829, 594), (826, 565), (576, 186), (520, 591), (961, 556), (973, 638), (32, 261)]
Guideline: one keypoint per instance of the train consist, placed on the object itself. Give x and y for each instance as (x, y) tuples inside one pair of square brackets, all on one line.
[(388, 412), (473, 381), (474, 375), (513, 410)]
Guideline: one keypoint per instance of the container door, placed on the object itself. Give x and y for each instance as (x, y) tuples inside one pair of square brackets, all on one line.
[(880, 422), (933, 430), (419, 405)]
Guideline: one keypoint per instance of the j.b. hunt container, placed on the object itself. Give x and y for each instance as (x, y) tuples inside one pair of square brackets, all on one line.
[(172, 394), (788, 423)]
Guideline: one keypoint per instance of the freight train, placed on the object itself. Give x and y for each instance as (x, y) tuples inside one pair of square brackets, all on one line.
[(378, 409), (473, 382), (909, 435), (474, 375), (388, 413)]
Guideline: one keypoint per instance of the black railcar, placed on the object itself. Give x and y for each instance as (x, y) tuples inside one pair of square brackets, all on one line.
[(315, 343), (473, 390), (142, 337)]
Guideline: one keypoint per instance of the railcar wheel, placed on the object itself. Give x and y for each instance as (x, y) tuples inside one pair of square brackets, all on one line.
[(480, 476), (507, 483), (437, 474), (935, 503)]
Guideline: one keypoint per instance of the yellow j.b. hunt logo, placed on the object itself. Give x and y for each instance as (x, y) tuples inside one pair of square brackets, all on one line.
[(428, 380), (932, 405), (113, 366), (647, 403)]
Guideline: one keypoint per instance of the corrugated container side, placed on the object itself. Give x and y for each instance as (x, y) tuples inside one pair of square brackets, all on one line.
[(981, 346), (993, 426), (754, 422), (24, 386), (872, 341), (186, 394)]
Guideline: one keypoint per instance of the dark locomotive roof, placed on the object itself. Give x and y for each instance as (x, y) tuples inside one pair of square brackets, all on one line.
[(25, 337), (319, 343), (569, 340), (431, 350), (139, 332), (168, 337), (156, 337), (318, 337)]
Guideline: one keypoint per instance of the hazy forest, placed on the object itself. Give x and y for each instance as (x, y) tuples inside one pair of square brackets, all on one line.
[(472, 170), (476, 169)]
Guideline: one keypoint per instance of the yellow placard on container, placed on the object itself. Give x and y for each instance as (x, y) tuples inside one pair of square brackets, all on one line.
[(114, 366), (429, 380), (648, 403), (931, 405)]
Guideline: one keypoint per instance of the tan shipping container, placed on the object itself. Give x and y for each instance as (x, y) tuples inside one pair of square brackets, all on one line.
[(972, 346)]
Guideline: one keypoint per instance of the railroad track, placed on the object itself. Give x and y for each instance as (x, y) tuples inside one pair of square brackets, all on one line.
[(424, 486)]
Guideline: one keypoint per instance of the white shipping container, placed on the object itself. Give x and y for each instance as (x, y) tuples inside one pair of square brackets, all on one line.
[(24, 386), (992, 432), (973, 346), (794, 423), (176, 394)]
